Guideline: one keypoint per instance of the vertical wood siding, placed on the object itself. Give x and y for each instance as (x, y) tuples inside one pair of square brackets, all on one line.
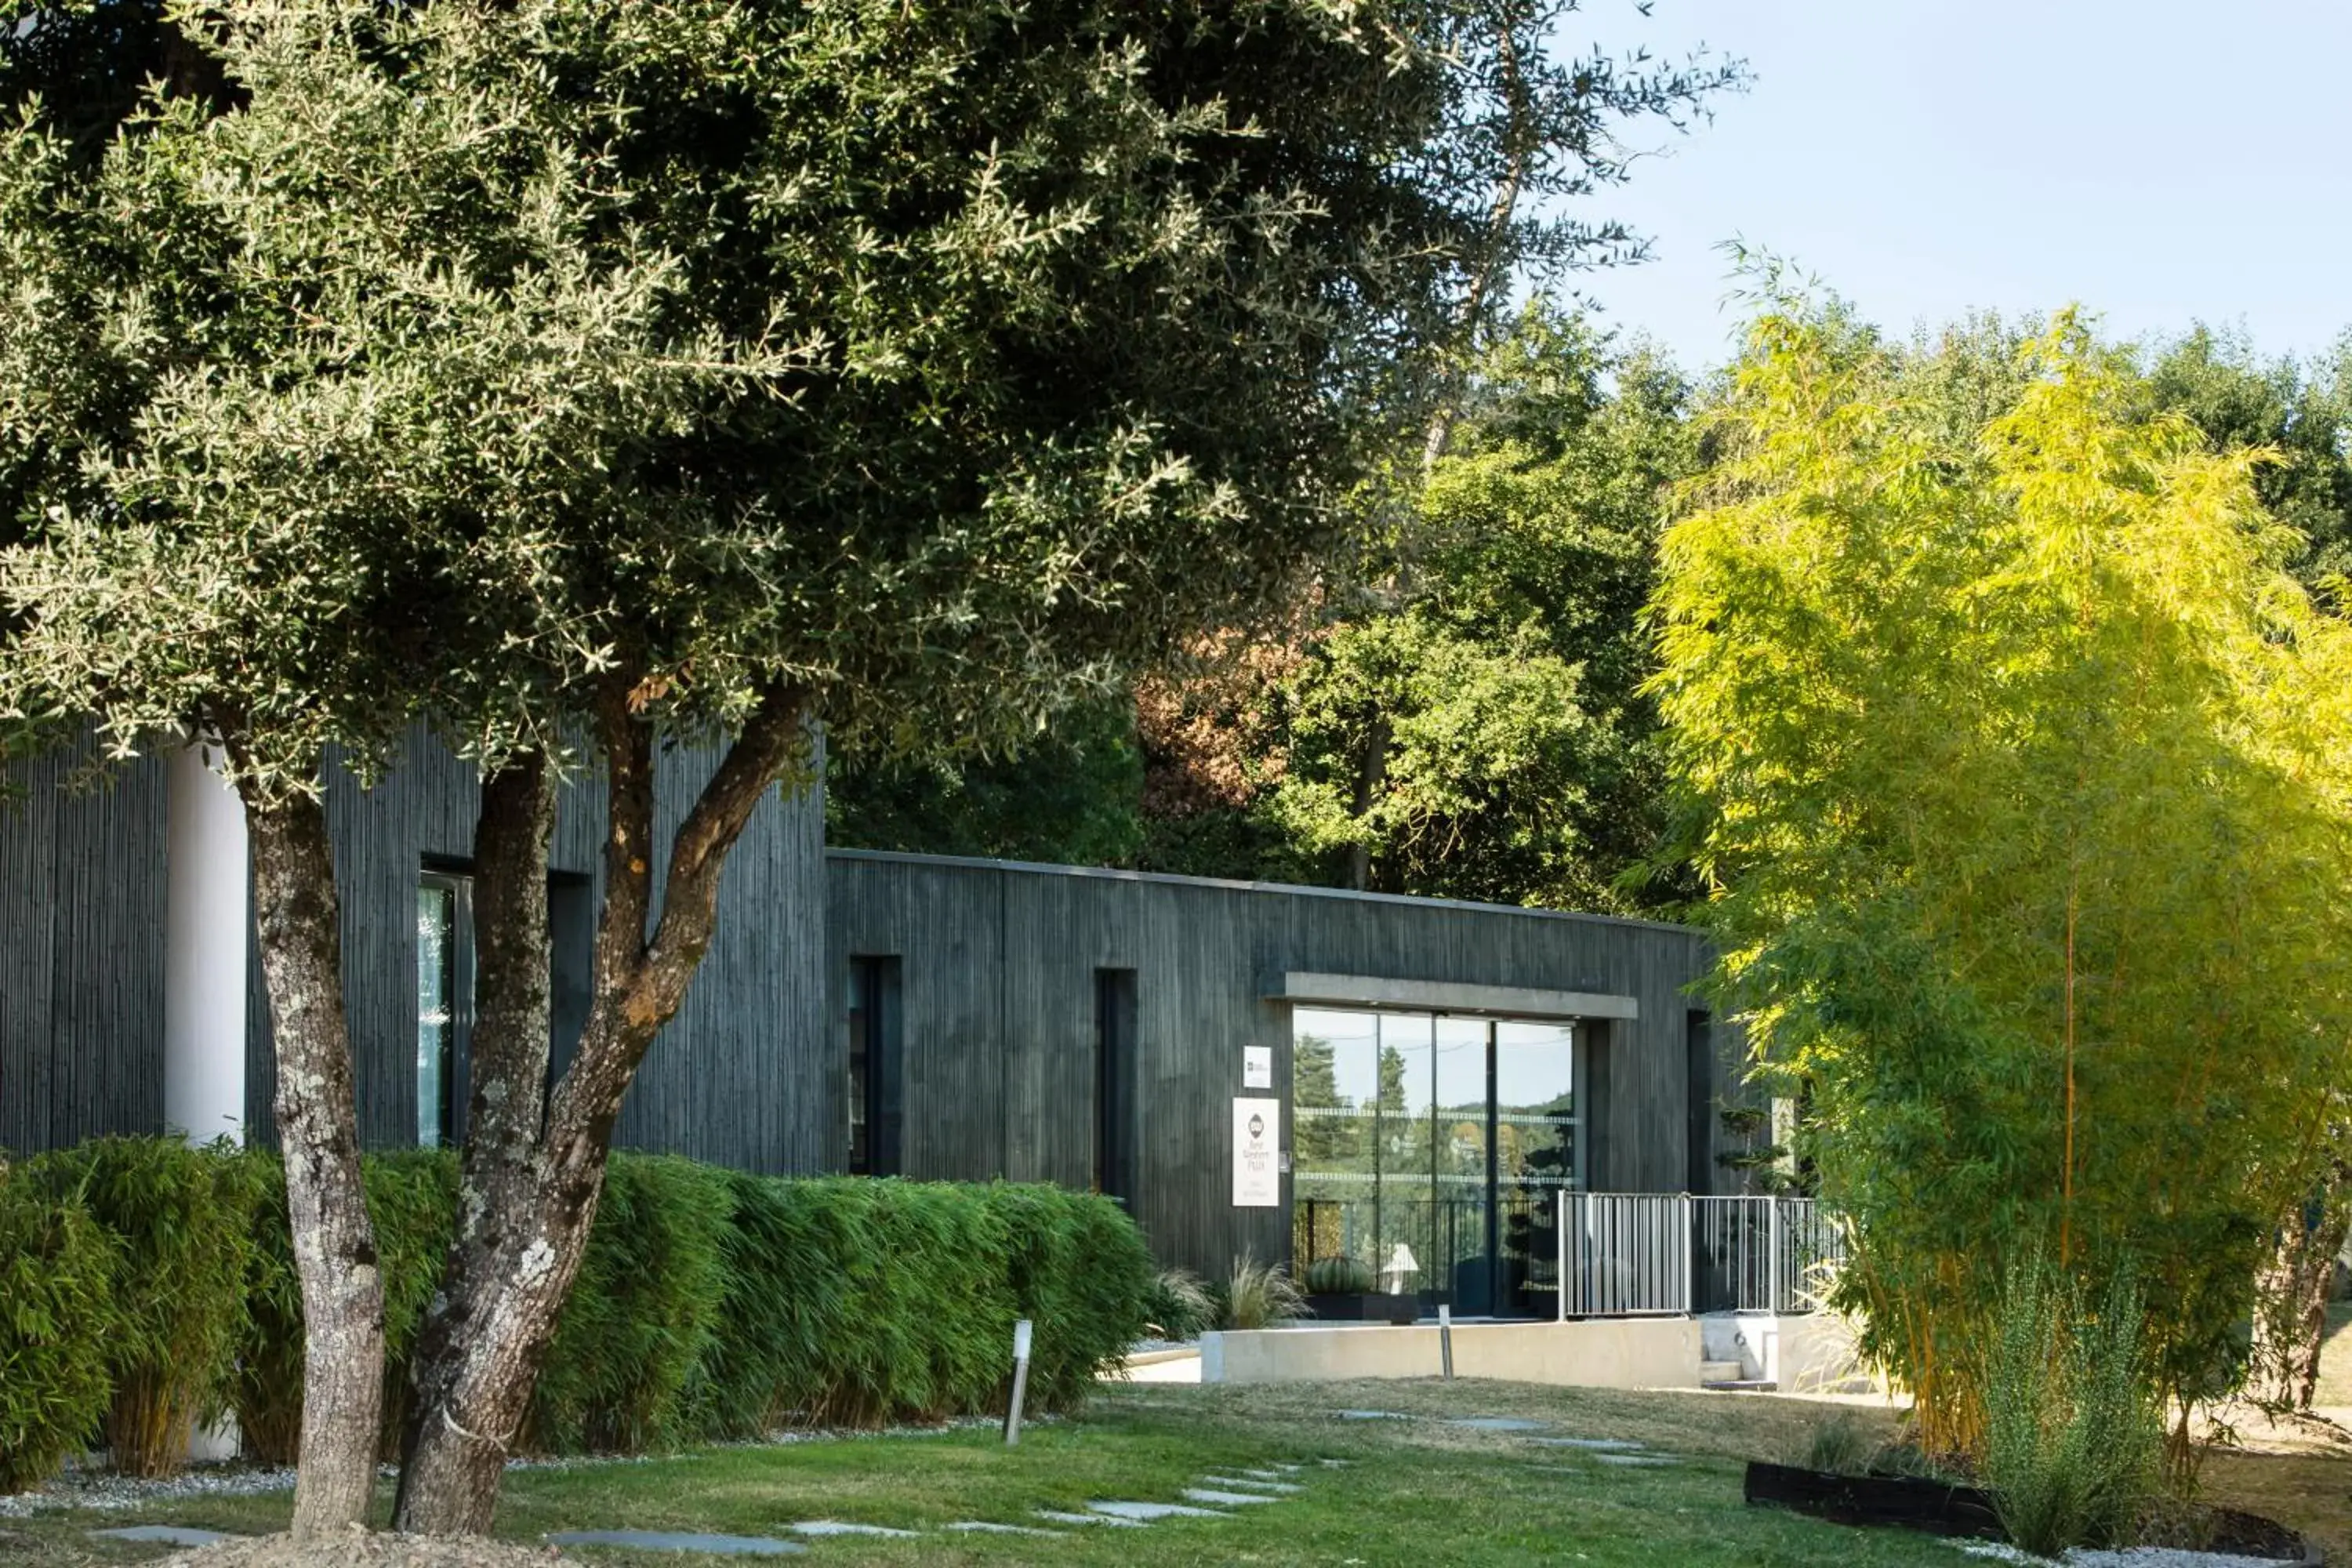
[(81, 949), (998, 1027), (715, 1086)]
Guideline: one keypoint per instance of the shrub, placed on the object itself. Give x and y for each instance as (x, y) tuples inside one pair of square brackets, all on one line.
[(57, 1325), (1177, 1305), (934, 1291), (852, 1301), (179, 1218), (1339, 1277), (1079, 1272), (1260, 1296), (1839, 1447), (412, 1202), (2073, 1436), (709, 1303), (785, 1305), (642, 1314)]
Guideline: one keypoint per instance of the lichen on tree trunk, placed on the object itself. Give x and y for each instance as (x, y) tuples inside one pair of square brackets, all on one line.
[(532, 1184), (297, 920)]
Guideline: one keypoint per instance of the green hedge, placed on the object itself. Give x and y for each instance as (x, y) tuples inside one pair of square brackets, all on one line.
[(56, 1321), (642, 1315), (413, 1198), (711, 1304), (180, 1217)]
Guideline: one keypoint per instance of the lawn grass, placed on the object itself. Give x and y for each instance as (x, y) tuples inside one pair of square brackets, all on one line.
[(1413, 1491)]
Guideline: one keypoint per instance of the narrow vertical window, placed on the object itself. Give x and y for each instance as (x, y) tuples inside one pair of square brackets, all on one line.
[(1699, 1163), (444, 1004), (1114, 1171), (873, 1078)]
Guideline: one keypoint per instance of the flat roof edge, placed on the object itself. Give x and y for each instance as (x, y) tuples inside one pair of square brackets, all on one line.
[(1306, 988), (1113, 873)]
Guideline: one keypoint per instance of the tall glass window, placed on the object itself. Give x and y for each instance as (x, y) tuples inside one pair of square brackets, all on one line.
[(1433, 1148), (445, 987)]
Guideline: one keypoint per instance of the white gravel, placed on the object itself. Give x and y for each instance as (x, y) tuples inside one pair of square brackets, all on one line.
[(2121, 1557)]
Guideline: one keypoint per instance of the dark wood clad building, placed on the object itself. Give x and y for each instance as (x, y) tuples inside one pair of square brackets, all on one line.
[(1255, 1071)]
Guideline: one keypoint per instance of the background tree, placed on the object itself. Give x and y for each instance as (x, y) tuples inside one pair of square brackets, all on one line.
[(1478, 730), (1072, 793), (568, 373), (2019, 769)]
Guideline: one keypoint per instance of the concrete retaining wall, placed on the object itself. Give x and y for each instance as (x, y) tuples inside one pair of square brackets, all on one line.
[(1629, 1352)]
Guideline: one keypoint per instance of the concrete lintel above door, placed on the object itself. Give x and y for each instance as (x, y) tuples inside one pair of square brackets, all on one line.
[(1309, 989)]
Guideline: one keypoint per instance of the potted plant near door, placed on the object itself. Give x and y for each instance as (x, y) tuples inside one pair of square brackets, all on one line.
[(1341, 1290)]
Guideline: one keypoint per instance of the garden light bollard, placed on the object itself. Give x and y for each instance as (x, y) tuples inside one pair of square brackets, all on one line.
[(1445, 1340), (1019, 1382)]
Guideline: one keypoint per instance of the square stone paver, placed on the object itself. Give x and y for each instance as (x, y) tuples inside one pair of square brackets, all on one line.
[(162, 1534), (679, 1541), (840, 1527), (1145, 1512)]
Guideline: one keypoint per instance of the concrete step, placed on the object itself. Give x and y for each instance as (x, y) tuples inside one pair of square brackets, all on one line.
[(1714, 1372), (1742, 1385)]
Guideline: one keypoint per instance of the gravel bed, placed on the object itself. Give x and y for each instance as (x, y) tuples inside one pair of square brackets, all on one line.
[(2122, 1557), (98, 1488), (1147, 1347)]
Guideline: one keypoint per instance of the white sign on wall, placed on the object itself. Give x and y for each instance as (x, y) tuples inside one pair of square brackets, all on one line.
[(1257, 1143), (1258, 1066)]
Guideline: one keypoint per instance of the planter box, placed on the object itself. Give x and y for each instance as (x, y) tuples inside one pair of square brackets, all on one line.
[(1939, 1507), (1942, 1508), (1368, 1308)]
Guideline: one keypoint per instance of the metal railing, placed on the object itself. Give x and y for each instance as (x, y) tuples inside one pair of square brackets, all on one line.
[(1636, 1254)]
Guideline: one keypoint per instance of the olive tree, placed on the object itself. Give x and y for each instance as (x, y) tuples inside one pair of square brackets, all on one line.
[(576, 377)]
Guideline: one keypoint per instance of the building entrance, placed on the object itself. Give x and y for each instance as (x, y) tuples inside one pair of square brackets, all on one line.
[(1434, 1148)]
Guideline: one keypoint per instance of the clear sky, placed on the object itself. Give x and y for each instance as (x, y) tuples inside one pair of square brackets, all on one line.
[(2161, 161)]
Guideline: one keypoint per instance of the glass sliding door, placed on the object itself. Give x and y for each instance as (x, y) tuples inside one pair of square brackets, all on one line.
[(1407, 1258), (1535, 1158), (1335, 1141), (1432, 1150), (1461, 1159)]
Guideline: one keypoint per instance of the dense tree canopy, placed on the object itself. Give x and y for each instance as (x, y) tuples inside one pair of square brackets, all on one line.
[(1477, 728), (2024, 800)]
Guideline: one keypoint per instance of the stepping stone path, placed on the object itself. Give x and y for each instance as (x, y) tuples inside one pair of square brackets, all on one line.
[(680, 1541), (1225, 1492), (1498, 1423), (986, 1527), (1370, 1416), (1145, 1512), (1090, 1519), (837, 1527), (1591, 1444), (163, 1535), (1253, 1482)]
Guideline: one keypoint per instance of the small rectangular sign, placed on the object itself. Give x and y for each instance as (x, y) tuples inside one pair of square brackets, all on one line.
[(1258, 1066), (1258, 1141)]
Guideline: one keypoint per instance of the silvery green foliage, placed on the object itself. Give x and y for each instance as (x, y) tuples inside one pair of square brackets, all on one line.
[(936, 359)]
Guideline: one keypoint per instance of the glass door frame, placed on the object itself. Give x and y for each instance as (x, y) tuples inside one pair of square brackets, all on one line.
[(1438, 1279)]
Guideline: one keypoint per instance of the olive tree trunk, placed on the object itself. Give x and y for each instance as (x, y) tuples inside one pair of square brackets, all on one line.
[(296, 918), (532, 1184)]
